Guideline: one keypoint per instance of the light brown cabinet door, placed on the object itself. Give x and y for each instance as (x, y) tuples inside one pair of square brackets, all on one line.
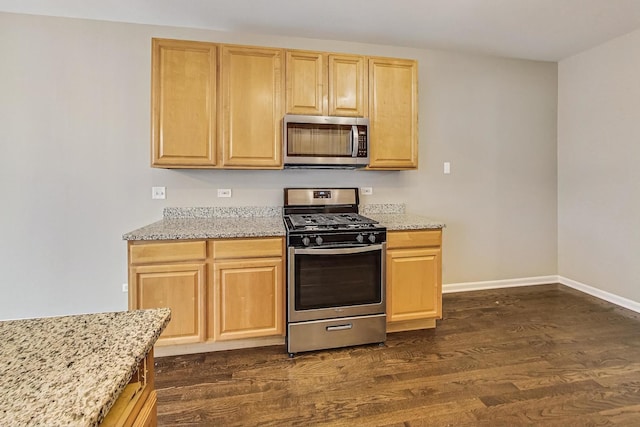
[(183, 98), (414, 285), (306, 76), (326, 84), (252, 100), (347, 86), (179, 287), (248, 298), (393, 112)]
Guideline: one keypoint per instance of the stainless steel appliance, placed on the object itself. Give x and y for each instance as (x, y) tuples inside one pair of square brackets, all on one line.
[(325, 141), (335, 271)]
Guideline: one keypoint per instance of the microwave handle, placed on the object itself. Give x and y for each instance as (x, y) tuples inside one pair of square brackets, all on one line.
[(354, 141)]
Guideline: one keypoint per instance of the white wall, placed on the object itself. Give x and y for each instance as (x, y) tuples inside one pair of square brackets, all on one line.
[(598, 162), (75, 175)]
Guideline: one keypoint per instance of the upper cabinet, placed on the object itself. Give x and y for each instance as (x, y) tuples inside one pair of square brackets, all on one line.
[(321, 83), (183, 103), (221, 106), (195, 125), (393, 113), (251, 99)]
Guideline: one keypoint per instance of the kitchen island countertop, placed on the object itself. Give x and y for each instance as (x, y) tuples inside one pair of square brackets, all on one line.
[(70, 370)]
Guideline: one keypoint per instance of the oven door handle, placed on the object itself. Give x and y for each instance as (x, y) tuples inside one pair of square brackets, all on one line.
[(341, 251)]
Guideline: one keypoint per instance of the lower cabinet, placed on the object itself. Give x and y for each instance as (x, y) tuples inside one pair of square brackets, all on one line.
[(217, 290), (171, 274), (414, 279), (179, 287), (247, 298), (248, 288), (232, 289)]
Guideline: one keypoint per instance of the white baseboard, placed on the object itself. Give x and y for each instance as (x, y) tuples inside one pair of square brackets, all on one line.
[(498, 284), (607, 296), (542, 280)]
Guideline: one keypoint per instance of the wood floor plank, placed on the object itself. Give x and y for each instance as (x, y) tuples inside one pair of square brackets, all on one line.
[(540, 355)]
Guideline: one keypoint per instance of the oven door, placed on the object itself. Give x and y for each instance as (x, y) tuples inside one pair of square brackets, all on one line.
[(332, 282)]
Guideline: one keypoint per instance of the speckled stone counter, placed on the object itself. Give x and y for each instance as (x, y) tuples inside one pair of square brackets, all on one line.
[(208, 228), (212, 223), (68, 371), (394, 217), (404, 221), (221, 222)]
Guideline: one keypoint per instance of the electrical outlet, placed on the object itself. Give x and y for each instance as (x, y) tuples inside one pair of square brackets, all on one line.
[(366, 191), (125, 287), (447, 167), (224, 192), (158, 192)]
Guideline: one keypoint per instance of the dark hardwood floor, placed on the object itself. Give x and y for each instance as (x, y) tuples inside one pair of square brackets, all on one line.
[(540, 355)]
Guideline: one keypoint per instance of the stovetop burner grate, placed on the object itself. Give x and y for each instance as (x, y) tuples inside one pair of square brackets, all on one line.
[(337, 220)]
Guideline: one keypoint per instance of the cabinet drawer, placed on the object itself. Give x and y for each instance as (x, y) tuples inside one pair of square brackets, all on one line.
[(413, 239), (247, 248), (163, 252)]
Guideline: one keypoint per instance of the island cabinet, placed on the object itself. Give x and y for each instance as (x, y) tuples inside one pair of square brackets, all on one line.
[(393, 113), (137, 404), (320, 83), (183, 103), (171, 274), (248, 288), (414, 279)]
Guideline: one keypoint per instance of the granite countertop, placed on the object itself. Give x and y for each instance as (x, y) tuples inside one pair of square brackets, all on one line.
[(394, 217), (70, 370), (212, 223), (220, 222), (208, 228), (404, 221)]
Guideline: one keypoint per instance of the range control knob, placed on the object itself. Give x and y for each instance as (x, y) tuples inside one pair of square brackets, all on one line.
[(360, 238), (318, 240), (372, 238), (306, 241)]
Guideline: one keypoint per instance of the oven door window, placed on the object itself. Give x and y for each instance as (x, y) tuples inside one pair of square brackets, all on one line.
[(337, 280)]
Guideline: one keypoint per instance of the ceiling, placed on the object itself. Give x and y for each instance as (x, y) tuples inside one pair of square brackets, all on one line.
[(548, 30)]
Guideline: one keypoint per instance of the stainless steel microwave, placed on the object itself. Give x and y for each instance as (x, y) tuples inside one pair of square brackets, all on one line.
[(325, 141)]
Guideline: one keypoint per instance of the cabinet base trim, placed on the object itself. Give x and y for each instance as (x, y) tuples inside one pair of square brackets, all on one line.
[(411, 325), (206, 347)]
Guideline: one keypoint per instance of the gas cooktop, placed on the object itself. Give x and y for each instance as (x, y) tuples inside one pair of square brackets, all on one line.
[(328, 216), (330, 221)]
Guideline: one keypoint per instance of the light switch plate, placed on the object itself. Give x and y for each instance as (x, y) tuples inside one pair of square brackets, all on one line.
[(447, 167)]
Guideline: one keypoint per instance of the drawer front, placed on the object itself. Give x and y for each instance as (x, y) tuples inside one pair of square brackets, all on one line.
[(413, 238), (163, 252), (248, 248)]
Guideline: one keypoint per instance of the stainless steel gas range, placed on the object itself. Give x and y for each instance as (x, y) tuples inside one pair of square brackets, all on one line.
[(336, 271)]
